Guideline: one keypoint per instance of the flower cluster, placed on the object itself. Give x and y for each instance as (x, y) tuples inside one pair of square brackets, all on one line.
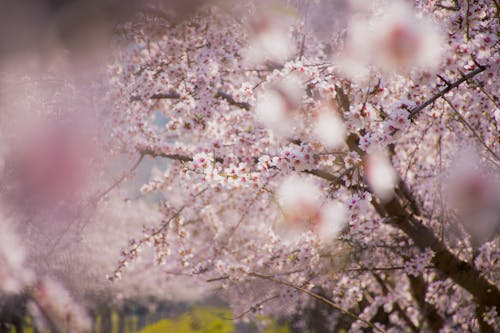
[(319, 177)]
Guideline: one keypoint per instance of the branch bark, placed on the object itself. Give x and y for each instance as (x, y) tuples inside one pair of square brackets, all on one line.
[(397, 307), (419, 288), (231, 101), (406, 217), (416, 110), (185, 158), (461, 272)]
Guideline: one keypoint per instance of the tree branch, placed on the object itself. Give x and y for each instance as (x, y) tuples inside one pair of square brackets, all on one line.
[(177, 157), (316, 296), (397, 307), (461, 272), (416, 110), (99, 196), (169, 95), (231, 101), (184, 158), (470, 128), (418, 289)]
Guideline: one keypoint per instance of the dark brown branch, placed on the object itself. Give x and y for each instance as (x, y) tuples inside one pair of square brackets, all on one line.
[(415, 111), (418, 289), (397, 307), (381, 269), (467, 23), (231, 101), (176, 157), (184, 158), (169, 95), (325, 175), (175, 95), (461, 272), (254, 307), (220, 278)]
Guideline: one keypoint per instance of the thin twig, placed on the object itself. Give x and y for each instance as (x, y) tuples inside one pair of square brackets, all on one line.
[(467, 125), (316, 296), (381, 269), (253, 308), (118, 181), (490, 97)]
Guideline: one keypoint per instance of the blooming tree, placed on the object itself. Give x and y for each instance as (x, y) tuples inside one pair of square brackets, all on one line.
[(332, 162)]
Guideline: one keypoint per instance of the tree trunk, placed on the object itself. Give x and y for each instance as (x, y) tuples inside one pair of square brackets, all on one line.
[(121, 321), (93, 319), (18, 324), (106, 323), (4, 328), (141, 321)]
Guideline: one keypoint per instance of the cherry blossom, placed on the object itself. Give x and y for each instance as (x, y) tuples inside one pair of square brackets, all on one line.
[(345, 180)]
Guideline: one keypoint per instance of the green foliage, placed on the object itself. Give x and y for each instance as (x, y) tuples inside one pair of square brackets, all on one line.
[(275, 328), (200, 320), (206, 320)]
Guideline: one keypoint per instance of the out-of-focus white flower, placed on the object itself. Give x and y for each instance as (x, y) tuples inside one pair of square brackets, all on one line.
[(58, 305), (353, 68), (276, 107), (333, 216), (380, 175), (51, 162), (270, 35), (38, 318), (300, 200), (270, 45), (272, 111), (474, 191), (329, 129), (393, 38), (13, 274)]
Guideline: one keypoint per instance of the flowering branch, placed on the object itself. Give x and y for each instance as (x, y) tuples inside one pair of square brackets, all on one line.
[(461, 272), (469, 127), (410, 222), (184, 158), (397, 307), (170, 95), (316, 296), (415, 111), (98, 197), (230, 99), (419, 289)]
